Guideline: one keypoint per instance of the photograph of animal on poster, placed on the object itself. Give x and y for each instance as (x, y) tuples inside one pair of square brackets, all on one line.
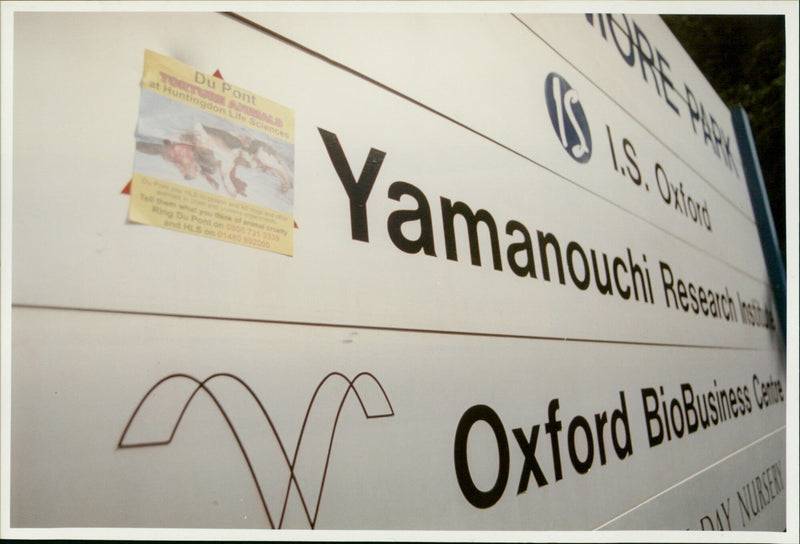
[(212, 159), (188, 146)]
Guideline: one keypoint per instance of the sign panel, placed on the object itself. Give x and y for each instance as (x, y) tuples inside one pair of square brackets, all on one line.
[(531, 254), (626, 160), (715, 500), (418, 443), (665, 91), (508, 292)]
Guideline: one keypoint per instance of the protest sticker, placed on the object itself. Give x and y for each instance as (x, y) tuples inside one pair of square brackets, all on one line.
[(212, 159)]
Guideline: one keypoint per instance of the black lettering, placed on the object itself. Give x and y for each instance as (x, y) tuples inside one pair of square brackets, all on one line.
[(712, 405), (624, 293), (724, 405), (529, 268), (621, 416), (654, 437), (600, 421), (702, 411), (716, 138), (740, 397), (672, 405), (630, 153), (582, 284), (422, 214), (628, 57), (544, 241), (528, 448), (666, 81), (641, 40), (668, 288), (663, 184), (590, 19), (476, 497), (357, 192), (449, 211), (636, 270), (605, 287), (692, 422), (743, 508), (581, 465), (694, 113), (552, 427)]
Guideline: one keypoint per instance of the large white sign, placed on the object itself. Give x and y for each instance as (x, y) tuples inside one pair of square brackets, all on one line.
[(526, 290)]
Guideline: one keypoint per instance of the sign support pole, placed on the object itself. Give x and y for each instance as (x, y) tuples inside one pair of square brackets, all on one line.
[(761, 210)]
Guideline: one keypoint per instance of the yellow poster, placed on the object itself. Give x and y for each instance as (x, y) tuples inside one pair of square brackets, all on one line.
[(212, 159)]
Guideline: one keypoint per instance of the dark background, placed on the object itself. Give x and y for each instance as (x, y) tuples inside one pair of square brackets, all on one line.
[(744, 59)]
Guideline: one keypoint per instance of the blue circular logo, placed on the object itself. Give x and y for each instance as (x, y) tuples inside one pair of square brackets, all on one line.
[(566, 114)]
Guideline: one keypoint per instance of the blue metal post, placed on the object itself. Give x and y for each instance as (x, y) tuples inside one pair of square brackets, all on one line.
[(761, 211)]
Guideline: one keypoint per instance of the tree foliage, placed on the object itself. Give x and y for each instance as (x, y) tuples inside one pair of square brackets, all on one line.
[(744, 59)]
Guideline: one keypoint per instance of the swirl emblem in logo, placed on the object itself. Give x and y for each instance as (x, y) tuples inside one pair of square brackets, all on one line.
[(568, 118)]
